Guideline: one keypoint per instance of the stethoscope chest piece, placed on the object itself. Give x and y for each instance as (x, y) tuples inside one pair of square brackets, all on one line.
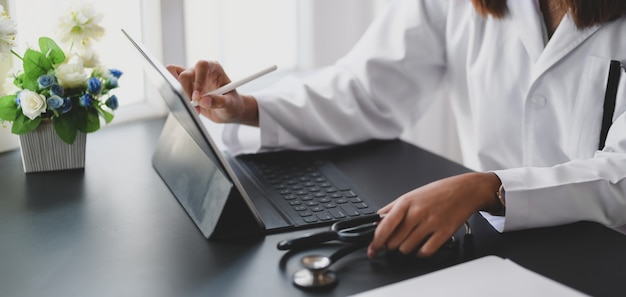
[(315, 274)]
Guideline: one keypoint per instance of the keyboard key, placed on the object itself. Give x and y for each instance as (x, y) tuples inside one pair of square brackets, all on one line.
[(360, 205), (295, 202), (311, 203), (300, 208), (316, 208), (330, 205), (350, 194), (325, 185), (324, 216), (350, 210), (336, 195), (337, 213), (356, 200), (310, 219), (305, 214), (341, 201), (323, 200), (290, 197)]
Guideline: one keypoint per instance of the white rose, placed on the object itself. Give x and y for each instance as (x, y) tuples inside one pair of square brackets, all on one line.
[(71, 73), (33, 104)]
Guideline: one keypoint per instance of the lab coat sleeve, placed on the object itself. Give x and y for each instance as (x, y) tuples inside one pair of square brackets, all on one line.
[(383, 84), (580, 190)]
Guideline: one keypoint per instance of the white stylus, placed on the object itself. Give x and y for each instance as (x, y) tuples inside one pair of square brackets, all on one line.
[(235, 84)]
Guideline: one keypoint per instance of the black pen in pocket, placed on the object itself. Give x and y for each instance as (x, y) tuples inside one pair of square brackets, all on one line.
[(615, 71)]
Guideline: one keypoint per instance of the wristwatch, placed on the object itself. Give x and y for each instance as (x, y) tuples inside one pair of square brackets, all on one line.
[(501, 199)]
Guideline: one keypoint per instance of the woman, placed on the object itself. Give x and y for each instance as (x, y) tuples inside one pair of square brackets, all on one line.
[(527, 81)]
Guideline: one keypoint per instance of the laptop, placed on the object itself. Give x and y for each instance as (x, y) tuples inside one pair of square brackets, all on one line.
[(249, 194)]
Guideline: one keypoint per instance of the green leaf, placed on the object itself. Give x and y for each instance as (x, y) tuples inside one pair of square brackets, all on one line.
[(107, 116), (65, 128), (23, 125), (8, 108), (35, 64), (51, 50), (30, 84), (93, 122)]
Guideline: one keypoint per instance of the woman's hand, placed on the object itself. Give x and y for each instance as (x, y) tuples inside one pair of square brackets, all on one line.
[(206, 76), (424, 219)]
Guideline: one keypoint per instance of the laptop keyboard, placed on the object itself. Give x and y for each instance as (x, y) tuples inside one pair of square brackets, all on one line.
[(312, 191)]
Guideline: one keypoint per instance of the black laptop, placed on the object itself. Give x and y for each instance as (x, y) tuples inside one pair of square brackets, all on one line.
[(247, 194)]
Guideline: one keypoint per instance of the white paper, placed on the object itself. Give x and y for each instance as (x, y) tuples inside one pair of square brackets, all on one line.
[(483, 277)]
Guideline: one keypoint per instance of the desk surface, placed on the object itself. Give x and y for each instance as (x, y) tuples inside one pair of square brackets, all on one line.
[(114, 229)]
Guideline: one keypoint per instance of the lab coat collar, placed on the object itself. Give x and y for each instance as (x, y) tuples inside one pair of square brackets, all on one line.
[(566, 38), (530, 24)]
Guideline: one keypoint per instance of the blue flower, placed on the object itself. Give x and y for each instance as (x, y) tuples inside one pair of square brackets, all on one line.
[(55, 102), (67, 105), (17, 100), (112, 102), (86, 100), (116, 73), (45, 81), (56, 89), (111, 83), (94, 85)]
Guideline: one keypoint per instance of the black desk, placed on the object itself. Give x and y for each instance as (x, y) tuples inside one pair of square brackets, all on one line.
[(114, 229)]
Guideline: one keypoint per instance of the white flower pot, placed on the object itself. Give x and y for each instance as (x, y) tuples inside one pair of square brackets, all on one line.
[(43, 150)]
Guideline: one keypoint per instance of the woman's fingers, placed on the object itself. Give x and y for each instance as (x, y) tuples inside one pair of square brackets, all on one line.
[(386, 228), (201, 71)]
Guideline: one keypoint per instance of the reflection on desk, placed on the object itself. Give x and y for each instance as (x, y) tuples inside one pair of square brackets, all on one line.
[(114, 229)]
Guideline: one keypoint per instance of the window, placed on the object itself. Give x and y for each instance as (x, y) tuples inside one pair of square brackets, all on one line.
[(244, 35)]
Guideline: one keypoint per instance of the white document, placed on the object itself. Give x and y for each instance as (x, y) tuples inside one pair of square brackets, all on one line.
[(483, 277)]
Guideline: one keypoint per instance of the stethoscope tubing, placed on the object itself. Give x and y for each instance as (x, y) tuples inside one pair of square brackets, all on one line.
[(307, 241)]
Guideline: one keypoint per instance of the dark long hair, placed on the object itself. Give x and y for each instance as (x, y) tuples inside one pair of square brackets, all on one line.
[(586, 13)]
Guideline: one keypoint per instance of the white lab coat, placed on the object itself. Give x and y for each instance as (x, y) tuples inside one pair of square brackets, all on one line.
[(527, 109)]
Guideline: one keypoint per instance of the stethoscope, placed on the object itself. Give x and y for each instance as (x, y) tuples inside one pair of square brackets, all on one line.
[(354, 234)]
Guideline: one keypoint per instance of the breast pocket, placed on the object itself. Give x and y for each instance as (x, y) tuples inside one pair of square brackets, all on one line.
[(589, 107)]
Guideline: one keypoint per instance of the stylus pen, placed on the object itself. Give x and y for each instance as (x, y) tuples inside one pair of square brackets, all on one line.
[(235, 84)]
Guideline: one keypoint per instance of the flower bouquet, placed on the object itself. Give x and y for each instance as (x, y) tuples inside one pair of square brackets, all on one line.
[(60, 89), (69, 90)]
